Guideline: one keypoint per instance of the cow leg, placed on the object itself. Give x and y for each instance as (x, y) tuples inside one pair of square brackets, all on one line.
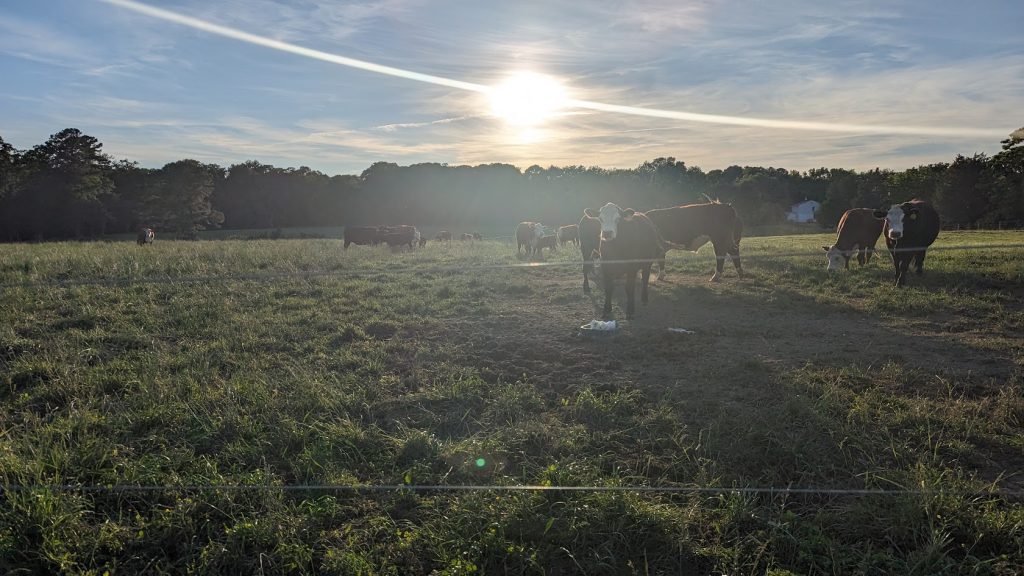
[(645, 279), (919, 262), (901, 270), (735, 253), (860, 256), (609, 287), (587, 268), (719, 264), (661, 267), (868, 253), (630, 290)]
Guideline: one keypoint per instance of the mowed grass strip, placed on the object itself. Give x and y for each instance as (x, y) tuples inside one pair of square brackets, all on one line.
[(793, 377)]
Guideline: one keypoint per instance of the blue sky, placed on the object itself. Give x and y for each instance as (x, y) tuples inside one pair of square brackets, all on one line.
[(157, 91)]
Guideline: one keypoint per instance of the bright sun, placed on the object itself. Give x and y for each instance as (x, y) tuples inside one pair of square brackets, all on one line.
[(527, 99)]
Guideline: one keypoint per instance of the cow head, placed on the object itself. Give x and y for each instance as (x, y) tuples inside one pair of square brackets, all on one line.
[(609, 215), (837, 259), (896, 217)]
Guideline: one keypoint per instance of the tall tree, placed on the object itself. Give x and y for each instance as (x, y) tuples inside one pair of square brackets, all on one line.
[(180, 199)]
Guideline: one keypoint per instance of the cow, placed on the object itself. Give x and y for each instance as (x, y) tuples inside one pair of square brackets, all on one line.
[(467, 236), (569, 233), (590, 244), (527, 234), (909, 229), (630, 242), (400, 235), (477, 236), (858, 231), (145, 236), (444, 235), (548, 241), (423, 241), (361, 235), (694, 225)]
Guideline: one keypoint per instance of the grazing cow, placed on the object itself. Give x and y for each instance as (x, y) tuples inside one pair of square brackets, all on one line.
[(527, 234), (145, 236), (443, 236), (361, 235), (423, 241), (909, 228), (570, 233), (693, 225), (548, 241), (590, 243), (467, 236), (630, 242), (858, 231), (477, 236), (401, 235)]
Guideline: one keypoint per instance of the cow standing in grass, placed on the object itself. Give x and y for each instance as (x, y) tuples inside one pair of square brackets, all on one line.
[(527, 234), (548, 241), (630, 243), (145, 236), (909, 229), (444, 236), (360, 235), (858, 232), (569, 233), (694, 225)]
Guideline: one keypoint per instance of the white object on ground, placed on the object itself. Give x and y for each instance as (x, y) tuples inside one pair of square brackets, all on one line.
[(600, 325), (681, 331)]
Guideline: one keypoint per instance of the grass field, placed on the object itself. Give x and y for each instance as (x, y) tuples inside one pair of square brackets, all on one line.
[(287, 363)]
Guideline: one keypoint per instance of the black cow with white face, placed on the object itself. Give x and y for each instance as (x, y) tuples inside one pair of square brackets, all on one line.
[(909, 229)]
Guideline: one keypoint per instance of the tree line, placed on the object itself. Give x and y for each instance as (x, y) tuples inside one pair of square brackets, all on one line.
[(68, 188)]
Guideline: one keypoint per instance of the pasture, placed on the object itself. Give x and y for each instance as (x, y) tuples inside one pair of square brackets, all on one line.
[(278, 364)]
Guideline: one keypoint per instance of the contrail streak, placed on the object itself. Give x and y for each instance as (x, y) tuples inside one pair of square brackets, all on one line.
[(243, 36)]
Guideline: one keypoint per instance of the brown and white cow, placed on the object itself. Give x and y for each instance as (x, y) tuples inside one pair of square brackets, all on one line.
[(909, 229), (694, 225), (527, 234), (630, 243), (858, 232), (590, 245), (569, 233), (145, 236), (547, 241)]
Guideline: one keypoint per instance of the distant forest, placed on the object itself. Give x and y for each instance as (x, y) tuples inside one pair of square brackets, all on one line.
[(67, 188)]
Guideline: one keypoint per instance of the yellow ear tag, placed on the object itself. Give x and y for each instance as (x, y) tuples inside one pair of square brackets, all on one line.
[(913, 216)]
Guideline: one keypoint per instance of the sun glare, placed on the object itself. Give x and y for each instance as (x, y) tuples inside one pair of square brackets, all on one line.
[(527, 99)]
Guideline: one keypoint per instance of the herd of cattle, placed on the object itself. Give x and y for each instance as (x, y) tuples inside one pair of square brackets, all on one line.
[(627, 241)]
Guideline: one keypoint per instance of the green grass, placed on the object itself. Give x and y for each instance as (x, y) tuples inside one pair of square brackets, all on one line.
[(219, 367)]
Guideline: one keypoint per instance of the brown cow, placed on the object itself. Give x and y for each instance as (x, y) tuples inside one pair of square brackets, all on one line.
[(527, 234), (694, 225), (145, 236), (630, 242), (858, 231), (360, 235), (400, 235), (590, 244), (570, 233), (549, 241)]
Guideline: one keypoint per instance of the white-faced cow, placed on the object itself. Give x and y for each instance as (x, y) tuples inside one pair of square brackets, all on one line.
[(630, 243), (909, 228), (527, 234), (145, 236), (694, 225), (858, 232)]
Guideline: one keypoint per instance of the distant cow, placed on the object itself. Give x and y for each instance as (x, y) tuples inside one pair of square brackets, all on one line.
[(548, 241), (443, 236), (467, 236), (145, 236), (401, 235), (477, 236), (361, 235), (909, 228), (527, 234), (570, 233), (423, 241), (694, 225), (858, 231), (590, 244), (630, 242)]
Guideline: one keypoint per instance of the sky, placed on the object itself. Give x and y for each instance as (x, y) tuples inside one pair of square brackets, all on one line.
[(337, 86)]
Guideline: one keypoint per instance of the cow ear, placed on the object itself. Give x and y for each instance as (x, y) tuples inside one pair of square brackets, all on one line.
[(590, 212), (880, 214), (826, 248), (628, 212)]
